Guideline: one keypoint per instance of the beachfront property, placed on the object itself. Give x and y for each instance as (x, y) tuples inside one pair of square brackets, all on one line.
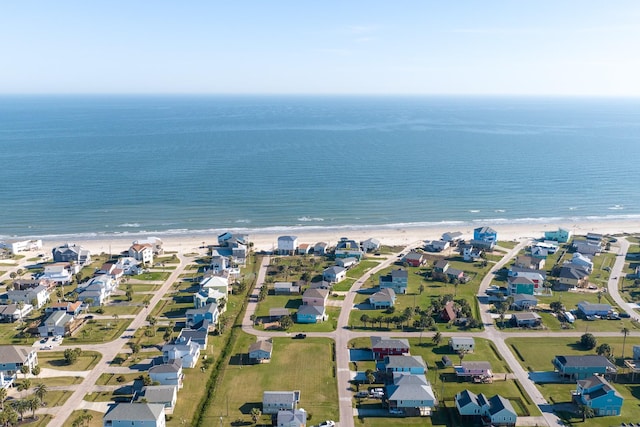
[(561, 235), (260, 351), (287, 245), (592, 309), (526, 320), (304, 249), (347, 248), (478, 410), (370, 245), (70, 252), (334, 274), (275, 401), (288, 418), (129, 266), (13, 312), (437, 245), (384, 298), (12, 359), (15, 246), (383, 347), (462, 344), (484, 237), (155, 242), (598, 394), (142, 252), (398, 280), (451, 236), (135, 414), (320, 248), (581, 367)]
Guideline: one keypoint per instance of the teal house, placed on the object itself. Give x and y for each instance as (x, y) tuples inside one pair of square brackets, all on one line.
[(596, 393), (582, 367), (560, 235)]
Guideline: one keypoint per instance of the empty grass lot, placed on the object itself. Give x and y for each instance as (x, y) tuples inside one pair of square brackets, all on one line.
[(242, 386), (55, 360), (96, 420)]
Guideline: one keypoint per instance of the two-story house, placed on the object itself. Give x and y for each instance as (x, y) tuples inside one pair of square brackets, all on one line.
[(398, 280)]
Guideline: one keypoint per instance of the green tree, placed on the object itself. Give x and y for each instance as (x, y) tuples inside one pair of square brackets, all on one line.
[(24, 369), (24, 385), (33, 403), (3, 397), (556, 306), (604, 350), (421, 289), (625, 332), (71, 355), (371, 377), (437, 338), (588, 341), (461, 354), (364, 319), (41, 391), (35, 371), (255, 414), (286, 322), (20, 406)]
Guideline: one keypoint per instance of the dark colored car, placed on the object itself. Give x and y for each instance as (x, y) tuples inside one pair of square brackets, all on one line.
[(300, 336)]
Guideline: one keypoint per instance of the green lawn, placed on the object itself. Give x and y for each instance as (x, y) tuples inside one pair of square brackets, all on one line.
[(110, 310), (153, 276), (57, 397), (57, 381), (242, 386), (55, 360), (112, 379), (536, 360), (96, 418), (98, 331)]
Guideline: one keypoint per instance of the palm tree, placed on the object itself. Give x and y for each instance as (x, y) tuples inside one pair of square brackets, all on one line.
[(32, 403), (370, 376), (625, 332), (24, 386), (461, 354), (255, 414), (24, 369), (41, 391), (3, 397), (20, 407), (437, 338)]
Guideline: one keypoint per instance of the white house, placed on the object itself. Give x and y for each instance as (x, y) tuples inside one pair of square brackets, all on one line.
[(59, 273), (38, 295), (22, 245), (166, 395), (219, 283), (371, 245), (462, 343), (129, 266), (334, 274), (167, 373), (187, 351), (135, 414), (142, 252), (582, 261), (155, 242), (287, 245)]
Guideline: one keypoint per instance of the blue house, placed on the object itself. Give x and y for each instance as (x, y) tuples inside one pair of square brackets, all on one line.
[(197, 316), (581, 367), (561, 235), (596, 393), (311, 314), (590, 309), (408, 364), (385, 298), (411, 394), (485, 237), (397, 280)]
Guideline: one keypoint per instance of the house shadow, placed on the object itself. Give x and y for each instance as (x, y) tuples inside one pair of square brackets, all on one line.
[(293, 303), (239, 359), (248, 406), (575, 346), (635, 391), (239, 423), (363, 306)]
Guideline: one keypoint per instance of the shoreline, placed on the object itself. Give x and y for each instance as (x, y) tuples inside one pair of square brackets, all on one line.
[(390, 235)]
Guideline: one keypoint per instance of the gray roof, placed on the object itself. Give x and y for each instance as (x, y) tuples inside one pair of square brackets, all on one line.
[(567, 272), (14, 354), (135, 412), (441, 264), (399, 274), (158, 393), (277, 397), (476, 365), (411, 392), (386, 294), (314, 310), (287, 417), (497, 403), (586, 361), (315, 293), (526, 316), (382, 342), (400, 378), (278, 311), (263, 345), (524, 297), (288, 238), (405, 362), (335, 269), (165, 368), (485, 230), (465, 397)]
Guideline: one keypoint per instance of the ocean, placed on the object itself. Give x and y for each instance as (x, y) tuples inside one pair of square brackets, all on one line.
[(86, 166)]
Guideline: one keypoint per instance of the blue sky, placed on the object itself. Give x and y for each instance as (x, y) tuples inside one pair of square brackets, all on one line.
[(322, 47)]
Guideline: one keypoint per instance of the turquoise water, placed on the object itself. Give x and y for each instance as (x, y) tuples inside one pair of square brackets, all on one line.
[(83, 166)]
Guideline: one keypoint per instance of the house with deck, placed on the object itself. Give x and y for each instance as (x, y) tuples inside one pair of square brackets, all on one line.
[(208, 314), (384, 298), (347, 248), (165, 395), (334, 274), (260, 351), (275, 401), (527, 319), (411, 394), (285, 288), (484, 237), (287, 245), (58, 323), (70, 252), (598, 394), (561, 235), (383, 347), (462, 344), (291, 418), (370, 245), (415, 259), (397, 280), (524, 302), (479, 410), (14, 312), (12, 359), (60, 273), (169, 373), (573, 276), (581, 367), (480, 369), (311, 314), (142, 252), (408, 364), (187, 351)]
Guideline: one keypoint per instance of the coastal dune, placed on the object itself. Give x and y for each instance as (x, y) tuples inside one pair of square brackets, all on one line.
[(401, 236)]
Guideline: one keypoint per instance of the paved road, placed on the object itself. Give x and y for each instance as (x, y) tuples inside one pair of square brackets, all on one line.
[(109, 350), (616, 275)]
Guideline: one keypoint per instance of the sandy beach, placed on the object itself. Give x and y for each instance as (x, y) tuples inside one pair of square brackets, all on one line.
[(387, 236)]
